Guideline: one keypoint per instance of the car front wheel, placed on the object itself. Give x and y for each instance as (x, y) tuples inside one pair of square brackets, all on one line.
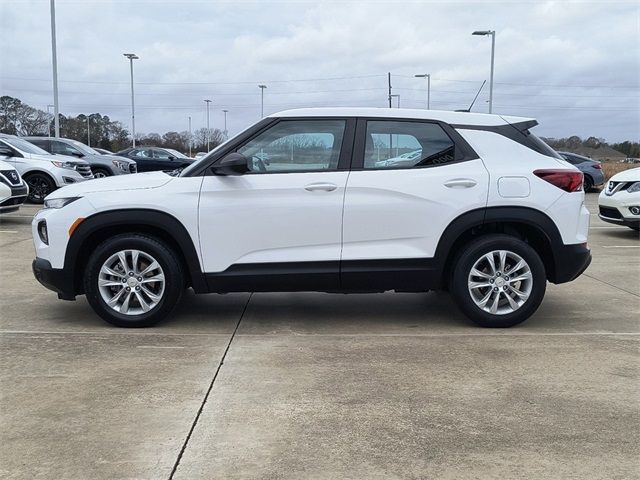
[(40, 185), (498, 281), (133, 280)]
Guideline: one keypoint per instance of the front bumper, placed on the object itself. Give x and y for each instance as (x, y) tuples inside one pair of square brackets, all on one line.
[(570, 262), (58, 280)]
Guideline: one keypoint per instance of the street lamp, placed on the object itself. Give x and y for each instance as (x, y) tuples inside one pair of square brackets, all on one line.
[(49, 120), (226, 134), (132, 57), (54, 59), (398, 96), (428, 77), (262, 87), (208, 130), (493, 50)]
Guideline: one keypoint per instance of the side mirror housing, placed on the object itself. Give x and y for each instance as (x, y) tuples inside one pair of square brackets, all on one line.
[(6, 151), (232, 164), (77, 154)]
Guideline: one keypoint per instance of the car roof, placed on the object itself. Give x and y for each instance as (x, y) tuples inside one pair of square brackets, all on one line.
[(455, 118)]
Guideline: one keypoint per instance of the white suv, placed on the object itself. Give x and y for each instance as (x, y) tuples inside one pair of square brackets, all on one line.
[(305, 200), (42, 171)]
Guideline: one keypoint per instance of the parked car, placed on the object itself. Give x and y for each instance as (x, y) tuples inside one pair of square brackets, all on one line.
[(199, 155), (103, 151), (42, 171), (492, 227), (101, 165), (592, 169), (619, 203), (154, 158), (13, 190)]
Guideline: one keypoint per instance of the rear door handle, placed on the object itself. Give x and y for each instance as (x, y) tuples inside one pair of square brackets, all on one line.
[(325, 187), (460, 183)]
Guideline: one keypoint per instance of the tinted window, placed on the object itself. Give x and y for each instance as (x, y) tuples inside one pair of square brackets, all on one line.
[(296, 146), (41, 142), (393, 144), (62, 148), (24, 146), (141, 153), (161, 154)]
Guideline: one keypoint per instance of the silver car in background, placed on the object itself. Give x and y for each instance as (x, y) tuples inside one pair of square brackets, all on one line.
[(101, 165)]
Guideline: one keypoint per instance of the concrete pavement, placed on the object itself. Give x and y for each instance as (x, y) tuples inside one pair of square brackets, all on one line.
[(323, 386)]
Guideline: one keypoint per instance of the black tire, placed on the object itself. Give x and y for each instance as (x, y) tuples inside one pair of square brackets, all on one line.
[(100, 172), (40, 185), (171, 266), (588, 183), (466, 259)]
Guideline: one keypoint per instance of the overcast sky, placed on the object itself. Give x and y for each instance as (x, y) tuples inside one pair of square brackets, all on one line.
[(574, 66)]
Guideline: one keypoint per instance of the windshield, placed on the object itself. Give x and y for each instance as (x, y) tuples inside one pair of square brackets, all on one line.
[(25, 146), (83, 148), (176, 153)]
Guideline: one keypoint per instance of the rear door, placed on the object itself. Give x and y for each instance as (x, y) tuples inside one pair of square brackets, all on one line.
[(410, 179)]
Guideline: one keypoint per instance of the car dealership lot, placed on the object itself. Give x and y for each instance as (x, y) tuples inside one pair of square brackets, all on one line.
[(324, 386)]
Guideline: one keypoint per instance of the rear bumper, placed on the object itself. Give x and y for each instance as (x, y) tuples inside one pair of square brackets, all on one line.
[(570, 262), (54, 279)]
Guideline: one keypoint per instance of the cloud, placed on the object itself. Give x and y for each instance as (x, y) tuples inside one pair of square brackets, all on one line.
[(568, 64)]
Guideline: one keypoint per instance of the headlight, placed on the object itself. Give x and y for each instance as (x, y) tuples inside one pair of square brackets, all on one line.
[(635, 187), (59, 202), (67, 165), (121, 165)]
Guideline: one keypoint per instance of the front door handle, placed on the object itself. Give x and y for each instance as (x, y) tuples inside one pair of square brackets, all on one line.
[(460, 183), (325, 187)]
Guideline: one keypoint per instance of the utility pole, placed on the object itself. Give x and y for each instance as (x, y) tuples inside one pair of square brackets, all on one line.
[(88, 133), (54, 58), (49, 121), (190, 135), (226, 134), (208, 129), (132, 57), (428, 77), (262, 87), (389, 83)]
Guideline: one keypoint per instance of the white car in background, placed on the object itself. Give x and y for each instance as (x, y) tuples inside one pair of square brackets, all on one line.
[(13, 190), (41, 171), (619, 202)]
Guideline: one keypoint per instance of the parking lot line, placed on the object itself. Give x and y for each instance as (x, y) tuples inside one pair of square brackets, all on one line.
[(620, 246)]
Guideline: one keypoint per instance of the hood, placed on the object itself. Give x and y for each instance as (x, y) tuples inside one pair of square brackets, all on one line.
[(113, 184), (631, 175), (6, 166), (55, 158), (118, 157), (106, 158)]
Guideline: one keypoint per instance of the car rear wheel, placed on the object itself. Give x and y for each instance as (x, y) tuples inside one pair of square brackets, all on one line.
[(40, 185), (133, 280), (498, 281), (588, 183)]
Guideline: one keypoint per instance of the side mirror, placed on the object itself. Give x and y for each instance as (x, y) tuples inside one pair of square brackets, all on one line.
[(77, 154), (172, 158), (6, 151), (232, 164)]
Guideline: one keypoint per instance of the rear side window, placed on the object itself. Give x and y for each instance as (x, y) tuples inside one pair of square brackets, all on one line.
[(394, 145)]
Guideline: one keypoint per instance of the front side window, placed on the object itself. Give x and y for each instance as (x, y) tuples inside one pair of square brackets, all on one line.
[(161, 154), (296, 146), (62, 148), (395, 144), (141, 153)]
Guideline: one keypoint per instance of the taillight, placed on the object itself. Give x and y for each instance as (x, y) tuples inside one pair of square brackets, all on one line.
[(597, 166), (567, 180)]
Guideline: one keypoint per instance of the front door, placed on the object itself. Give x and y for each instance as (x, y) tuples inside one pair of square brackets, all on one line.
[(280, 225)]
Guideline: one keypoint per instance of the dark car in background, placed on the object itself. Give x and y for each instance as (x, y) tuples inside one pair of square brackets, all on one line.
[(101, 165), (592, 169), (155, 158)]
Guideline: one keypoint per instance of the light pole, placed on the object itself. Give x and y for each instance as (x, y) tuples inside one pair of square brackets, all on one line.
[(189, 135), (49, 121), (428, 77), (493, 51), (208, 130), (397, 95), (132, 57), (54, 58), (226, 134), (262, 87)]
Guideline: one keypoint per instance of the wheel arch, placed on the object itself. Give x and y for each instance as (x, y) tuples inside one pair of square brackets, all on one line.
[(528, 224), (97, 228)]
